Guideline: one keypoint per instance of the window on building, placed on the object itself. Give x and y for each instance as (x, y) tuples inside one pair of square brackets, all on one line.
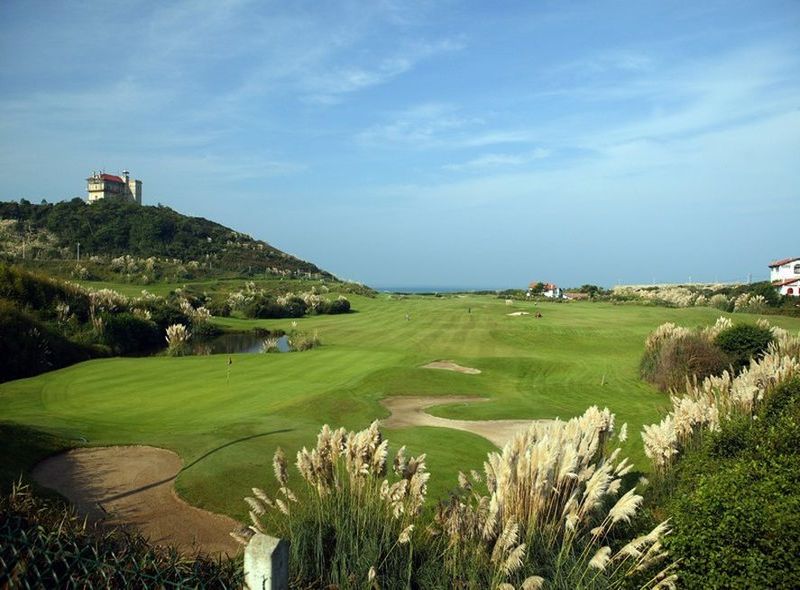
[(797, 269)]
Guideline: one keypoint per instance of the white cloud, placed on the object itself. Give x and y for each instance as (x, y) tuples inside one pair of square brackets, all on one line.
[(328, 86), (492, 161), (713, 167), (438, 125)]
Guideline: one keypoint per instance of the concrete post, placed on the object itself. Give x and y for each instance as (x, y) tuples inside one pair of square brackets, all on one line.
[(266, 563)]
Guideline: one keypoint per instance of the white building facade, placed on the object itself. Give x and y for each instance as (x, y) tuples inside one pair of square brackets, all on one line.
[(108, 186), (785, 276)]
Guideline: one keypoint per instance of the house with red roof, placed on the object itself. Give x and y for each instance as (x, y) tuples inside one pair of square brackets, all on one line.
[(547, 289), (785, 276), (109, 186)]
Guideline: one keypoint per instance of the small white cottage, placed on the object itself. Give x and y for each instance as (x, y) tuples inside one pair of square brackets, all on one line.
[(552, 290), (785, 276)]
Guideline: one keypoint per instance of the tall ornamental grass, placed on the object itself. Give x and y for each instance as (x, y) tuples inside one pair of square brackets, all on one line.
[(358, 517), (548, 511), (704, 404), (177, 338)]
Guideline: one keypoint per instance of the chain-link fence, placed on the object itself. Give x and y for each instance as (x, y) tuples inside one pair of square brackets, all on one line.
[(43, 545)]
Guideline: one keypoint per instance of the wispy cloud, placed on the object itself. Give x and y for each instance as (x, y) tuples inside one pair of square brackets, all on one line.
[(328, 87), (713, 167), (438, 125), (602, 64), (495, 161)]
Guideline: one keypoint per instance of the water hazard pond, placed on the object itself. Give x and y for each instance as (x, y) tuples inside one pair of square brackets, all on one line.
[(236, 343)]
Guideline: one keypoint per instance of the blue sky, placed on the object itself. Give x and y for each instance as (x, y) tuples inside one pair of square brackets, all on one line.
[(479, 144)]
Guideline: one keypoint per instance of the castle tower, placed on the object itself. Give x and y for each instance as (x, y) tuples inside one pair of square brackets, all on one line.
[(135, 188)]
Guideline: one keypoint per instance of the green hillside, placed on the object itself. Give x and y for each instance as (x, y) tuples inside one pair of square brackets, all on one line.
[(120, 240)]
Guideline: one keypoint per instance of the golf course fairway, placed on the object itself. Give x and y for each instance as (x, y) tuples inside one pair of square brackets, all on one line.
[(226, 420)]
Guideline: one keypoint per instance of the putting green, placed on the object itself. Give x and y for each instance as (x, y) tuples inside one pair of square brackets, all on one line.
[(226, 421)]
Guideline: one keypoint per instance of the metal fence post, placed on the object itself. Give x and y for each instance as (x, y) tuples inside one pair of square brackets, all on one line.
[(266, 563)]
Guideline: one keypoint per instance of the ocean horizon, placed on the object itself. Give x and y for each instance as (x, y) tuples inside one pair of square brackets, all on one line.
[(436, 289)]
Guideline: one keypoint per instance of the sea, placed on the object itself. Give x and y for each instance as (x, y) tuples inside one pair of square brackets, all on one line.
[(437, 289)]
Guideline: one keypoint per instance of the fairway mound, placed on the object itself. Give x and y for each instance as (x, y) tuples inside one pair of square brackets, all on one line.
[(410, 411), (518, 313), (451, 366), (133, 486)]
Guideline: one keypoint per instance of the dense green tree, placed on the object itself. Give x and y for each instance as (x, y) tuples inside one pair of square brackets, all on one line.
[(743, 342)]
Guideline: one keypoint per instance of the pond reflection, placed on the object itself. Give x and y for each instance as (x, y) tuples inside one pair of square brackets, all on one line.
[(237, 343)]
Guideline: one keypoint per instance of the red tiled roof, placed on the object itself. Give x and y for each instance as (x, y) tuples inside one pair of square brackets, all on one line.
[(786, 282), (111, 178), (784, 261), (546, 286)]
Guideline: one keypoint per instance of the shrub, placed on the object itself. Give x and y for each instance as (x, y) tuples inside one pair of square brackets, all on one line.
[(205, 331), (126, 333), (301, 341), (29, 347), (340, 305), (265, 306), (295, 307), (42, 294), (676, 359), (45, 545), (717, 398), (767, 291), (164, 314), (674, 354), (743, 342), (736, 509), (721, 302), (220, 309)]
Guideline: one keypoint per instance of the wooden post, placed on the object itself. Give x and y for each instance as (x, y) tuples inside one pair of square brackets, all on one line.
[(266, 563)]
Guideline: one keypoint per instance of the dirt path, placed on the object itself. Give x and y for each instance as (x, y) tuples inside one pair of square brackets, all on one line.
[(133, 486), (410, 411), (451, 366)]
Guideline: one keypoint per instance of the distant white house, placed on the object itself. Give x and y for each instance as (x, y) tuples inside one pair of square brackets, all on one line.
[(552, 290), (548, 290), (785, 276)]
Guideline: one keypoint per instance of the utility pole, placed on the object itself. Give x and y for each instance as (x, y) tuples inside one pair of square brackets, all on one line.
[(25, 232), (78, 255)]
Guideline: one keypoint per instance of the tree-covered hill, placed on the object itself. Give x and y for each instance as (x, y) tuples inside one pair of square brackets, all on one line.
[(114, 233)]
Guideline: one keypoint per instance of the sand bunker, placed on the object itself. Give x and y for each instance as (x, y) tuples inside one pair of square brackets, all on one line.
[(518, 313), (410, 411), (451, 366), (133, 486)]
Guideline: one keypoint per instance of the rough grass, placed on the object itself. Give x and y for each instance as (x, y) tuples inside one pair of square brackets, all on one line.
[(227, 428)]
